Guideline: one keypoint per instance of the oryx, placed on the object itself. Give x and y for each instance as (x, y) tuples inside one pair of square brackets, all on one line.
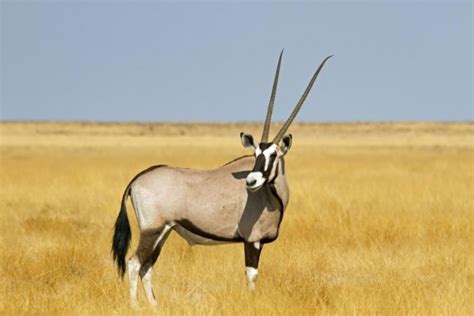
[(243, 201)]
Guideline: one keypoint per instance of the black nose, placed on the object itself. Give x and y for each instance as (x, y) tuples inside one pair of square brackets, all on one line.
[(251, 182)]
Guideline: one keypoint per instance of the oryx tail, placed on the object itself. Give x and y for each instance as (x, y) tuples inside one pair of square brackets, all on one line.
[(122, 235)]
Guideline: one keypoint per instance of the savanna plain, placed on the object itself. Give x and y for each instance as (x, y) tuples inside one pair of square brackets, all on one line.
[(380, 220)]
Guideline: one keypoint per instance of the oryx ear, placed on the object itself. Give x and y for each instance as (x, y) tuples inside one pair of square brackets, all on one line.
[(247, 140), (286, 142)]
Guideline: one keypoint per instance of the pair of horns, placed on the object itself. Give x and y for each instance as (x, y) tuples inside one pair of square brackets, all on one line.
[(268, 119)]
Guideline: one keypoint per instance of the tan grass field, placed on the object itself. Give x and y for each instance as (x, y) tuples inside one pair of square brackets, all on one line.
[(380, 221)]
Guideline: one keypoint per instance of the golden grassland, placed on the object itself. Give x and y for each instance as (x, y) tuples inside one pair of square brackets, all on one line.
[(380, 220)]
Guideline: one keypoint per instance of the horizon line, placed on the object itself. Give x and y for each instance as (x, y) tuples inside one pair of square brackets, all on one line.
[(102, 122)]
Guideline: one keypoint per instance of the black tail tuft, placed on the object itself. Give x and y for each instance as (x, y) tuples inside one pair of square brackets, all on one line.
[(122, 236)]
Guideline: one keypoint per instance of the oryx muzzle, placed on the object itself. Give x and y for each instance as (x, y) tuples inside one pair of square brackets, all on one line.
[(242, 201)]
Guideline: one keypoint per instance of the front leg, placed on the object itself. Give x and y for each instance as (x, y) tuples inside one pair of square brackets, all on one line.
[(252, 255)]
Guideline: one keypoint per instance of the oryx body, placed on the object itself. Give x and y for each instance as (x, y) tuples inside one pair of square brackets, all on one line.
[(207, 206), (240, 202)]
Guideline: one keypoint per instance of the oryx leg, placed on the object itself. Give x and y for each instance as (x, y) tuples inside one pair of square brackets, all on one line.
[(133, 269), (147, 267), (252, 256), (149, 241)]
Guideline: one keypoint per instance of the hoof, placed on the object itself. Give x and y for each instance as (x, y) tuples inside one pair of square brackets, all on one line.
[(251, 286)]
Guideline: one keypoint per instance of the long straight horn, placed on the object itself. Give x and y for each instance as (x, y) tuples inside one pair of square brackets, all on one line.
[(299, 104), (268, 119)]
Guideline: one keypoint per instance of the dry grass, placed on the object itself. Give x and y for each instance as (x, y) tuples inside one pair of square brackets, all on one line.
[(379, 221)]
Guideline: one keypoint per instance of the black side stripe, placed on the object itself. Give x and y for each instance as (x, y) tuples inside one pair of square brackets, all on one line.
[(188, 225)]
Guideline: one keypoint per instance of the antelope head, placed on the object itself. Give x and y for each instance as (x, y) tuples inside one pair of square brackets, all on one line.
[(268, 154)]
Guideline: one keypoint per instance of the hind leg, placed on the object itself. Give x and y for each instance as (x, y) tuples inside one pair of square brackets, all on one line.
[(146, 269), (133, 269), (144, 251)]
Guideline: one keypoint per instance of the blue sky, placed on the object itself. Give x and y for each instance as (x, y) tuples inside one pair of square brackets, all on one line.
[(215, 61)]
